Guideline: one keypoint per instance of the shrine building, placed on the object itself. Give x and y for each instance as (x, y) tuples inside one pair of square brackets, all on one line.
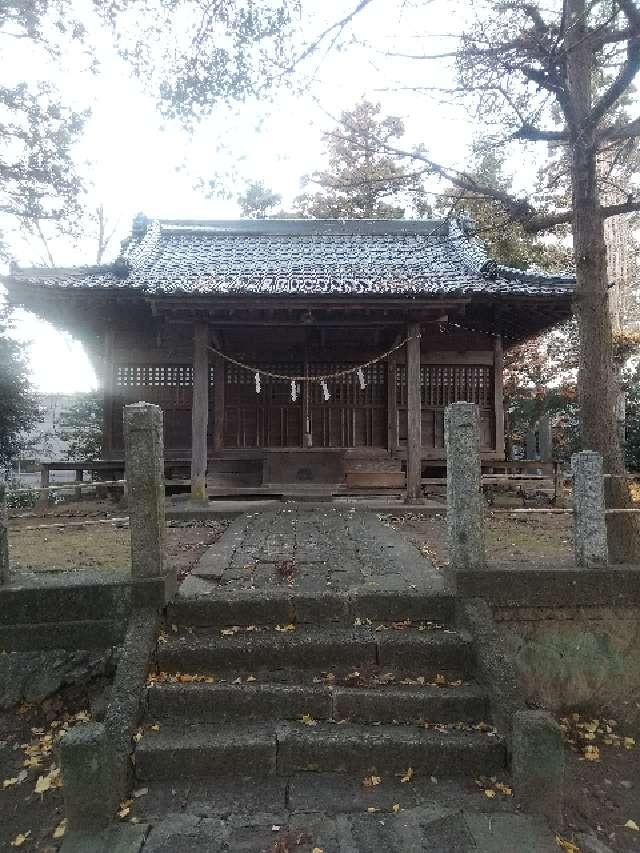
[(309, 354)]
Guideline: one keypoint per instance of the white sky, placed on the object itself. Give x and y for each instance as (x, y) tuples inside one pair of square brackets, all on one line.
[(138, 162)]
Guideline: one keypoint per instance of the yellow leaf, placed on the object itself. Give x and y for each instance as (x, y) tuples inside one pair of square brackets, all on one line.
[(504, 789), (592, 753), (567, 846), (629, 743), (371, 781), (396, 807), (60, 829), (490, 793), (631, 824), (20, 839), (124, 812), (372, 809), (308, 720), (408, 776), (9, 783), (286, 628), (46, 783), (317, 850), (155, 727)]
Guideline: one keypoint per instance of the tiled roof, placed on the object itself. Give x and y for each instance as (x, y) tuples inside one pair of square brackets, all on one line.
[(302, 257)]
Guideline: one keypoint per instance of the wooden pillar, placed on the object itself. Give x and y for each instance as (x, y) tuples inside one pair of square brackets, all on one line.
[(498, 364), (414, 417), (107, 394), (306, 405), (199, 411), (218, 404), (392, 405)]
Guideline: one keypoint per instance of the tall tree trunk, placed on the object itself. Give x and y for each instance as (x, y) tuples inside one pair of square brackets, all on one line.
[(597, 385)]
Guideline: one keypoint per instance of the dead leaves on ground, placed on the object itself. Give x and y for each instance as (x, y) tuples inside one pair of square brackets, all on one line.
[(589, 736)]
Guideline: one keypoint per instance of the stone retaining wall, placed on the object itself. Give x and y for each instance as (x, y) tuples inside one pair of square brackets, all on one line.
[(569, 657)]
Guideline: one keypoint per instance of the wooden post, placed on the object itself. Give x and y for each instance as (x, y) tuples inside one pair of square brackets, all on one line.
[(218, 404), (107, 394), (498, 363), (414, 417), (199, 412), (392, 405)]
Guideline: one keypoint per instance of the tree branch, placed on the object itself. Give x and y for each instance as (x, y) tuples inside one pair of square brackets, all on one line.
[(535, 134), (623, 131), (628, 70)]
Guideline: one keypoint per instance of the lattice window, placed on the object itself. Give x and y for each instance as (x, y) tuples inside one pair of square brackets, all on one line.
[(444, 384), (157, 376)]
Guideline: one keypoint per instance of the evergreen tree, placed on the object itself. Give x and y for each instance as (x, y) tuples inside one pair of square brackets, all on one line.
[(257, 200), (360, 180), (18, 410)]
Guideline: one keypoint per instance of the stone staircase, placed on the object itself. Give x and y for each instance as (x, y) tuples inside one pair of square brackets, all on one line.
[(263, 687)]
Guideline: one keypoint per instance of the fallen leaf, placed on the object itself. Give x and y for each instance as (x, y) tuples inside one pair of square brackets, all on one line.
[(317, 850), (396, 807), (155, 727), (60, 829), (490, 793), (631, 824), (20, 839), (140, 792), (124, 812), (371, 781), (629, 743), (408, 776), (372, 809), (566, 845), (9, 783), (591, 753)]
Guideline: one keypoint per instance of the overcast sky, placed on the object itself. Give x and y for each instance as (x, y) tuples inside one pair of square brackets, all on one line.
[(138, 162)]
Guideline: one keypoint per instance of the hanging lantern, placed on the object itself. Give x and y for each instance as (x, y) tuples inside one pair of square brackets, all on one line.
[(363, 384), (325, 390), (294, 390), (257, 382)]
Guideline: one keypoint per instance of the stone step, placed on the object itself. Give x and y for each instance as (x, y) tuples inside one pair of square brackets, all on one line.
[(226, 702), (219, 608), (428, 652), (180, 752)]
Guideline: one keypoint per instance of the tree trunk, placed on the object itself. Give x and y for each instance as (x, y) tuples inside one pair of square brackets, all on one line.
[(597, 386)]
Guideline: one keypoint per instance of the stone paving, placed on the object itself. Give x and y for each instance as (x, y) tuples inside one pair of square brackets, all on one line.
[(312, 549)]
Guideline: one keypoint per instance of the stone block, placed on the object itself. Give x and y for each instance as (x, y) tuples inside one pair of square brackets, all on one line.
[(465, 504), (538, 764), (89, 798), (4, 537), (144, 455), (588, 498)]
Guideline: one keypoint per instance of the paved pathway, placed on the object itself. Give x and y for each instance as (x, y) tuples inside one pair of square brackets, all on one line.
[(312, 548)]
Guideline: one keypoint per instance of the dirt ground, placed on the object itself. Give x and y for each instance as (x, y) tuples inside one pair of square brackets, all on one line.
[(84, 536), (508, 537)]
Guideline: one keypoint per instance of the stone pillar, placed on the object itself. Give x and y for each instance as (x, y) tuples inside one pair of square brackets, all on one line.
[(4, 536), (90, 799), (414, 417), (546, 439), (537, 766), (144, 460), (532, 448), (588, 503), (199, 412), (465, 521)]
